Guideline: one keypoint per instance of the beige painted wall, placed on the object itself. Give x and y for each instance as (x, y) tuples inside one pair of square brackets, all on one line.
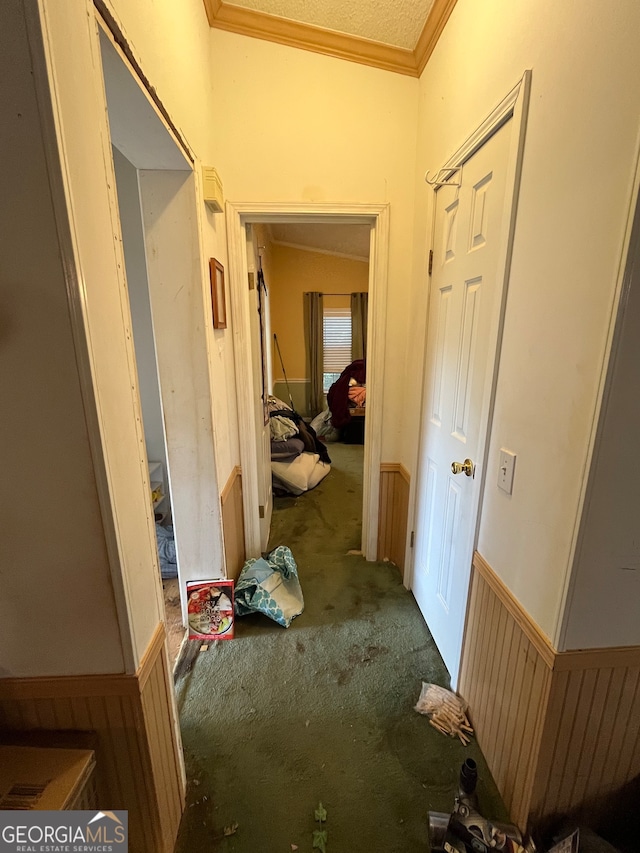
[(303, 127), (335, 131), (577, 174), (102, 312), (172, 43), (604, 599), (57, 608), (297, 271), (138, 288)]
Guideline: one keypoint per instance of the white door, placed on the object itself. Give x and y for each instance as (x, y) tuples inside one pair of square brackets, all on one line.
[(465, 295)]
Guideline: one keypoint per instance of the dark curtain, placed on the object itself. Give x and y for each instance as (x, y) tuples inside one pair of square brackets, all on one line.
[(313, 314), (359, 308)]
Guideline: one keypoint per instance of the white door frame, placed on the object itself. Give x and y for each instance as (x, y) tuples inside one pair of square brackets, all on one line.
[(376, 215), (514, 107)]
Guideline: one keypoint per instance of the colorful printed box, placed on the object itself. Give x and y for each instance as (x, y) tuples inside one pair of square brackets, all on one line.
[(210, 610)]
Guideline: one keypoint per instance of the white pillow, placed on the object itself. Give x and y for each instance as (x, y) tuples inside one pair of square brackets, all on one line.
[(303, 473), (318, 474)]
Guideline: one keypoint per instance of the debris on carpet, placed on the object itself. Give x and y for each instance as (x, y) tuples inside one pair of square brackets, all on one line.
[(446, 712), (270, 585)]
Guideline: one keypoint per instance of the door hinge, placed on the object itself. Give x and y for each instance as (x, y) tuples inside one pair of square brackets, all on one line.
[(430, 261), (252, 281), (261, 511), (413, 538)]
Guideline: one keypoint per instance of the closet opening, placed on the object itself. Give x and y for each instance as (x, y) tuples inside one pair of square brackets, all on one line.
[(157, 202), (133, 238)]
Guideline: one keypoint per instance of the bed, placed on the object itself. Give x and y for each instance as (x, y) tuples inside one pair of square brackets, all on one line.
[(299, 460)]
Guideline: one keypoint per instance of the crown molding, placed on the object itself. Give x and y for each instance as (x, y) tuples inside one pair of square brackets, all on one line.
[(431, 32), (248, 22), (314, 249), (212, 7)]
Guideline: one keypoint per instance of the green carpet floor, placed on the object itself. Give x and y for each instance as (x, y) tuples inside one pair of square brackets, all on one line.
[(278, 720)]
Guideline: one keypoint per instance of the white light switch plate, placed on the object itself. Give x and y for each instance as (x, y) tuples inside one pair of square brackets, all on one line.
[(506, 468)]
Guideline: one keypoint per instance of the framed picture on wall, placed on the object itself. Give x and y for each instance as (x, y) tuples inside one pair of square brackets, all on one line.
[(216, 272)]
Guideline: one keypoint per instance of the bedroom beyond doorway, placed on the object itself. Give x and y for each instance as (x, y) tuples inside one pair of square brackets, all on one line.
[(308, 314)]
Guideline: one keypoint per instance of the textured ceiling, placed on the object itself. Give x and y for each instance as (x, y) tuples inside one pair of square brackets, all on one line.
[(352, 240), (394, 22)]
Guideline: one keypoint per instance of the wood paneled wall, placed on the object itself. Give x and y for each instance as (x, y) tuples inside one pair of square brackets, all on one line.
[(165, 746), (393, 510), (505, 677), (556, 728), (233, 523), (138, 753), (591, 737)]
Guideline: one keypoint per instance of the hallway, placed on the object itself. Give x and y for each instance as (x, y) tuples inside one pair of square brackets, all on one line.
[(278, 720)]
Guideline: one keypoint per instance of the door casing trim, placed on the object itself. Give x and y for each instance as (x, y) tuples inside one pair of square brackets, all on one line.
[(238, 214), (514, 106)]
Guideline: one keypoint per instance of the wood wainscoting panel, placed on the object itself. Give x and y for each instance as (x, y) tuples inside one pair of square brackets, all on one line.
[(393, 513), (165, 749), (233, 523), (505, 678), (132, 719), (591, 739), (556, 728)]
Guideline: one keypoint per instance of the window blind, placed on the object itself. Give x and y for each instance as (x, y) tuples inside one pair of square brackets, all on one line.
[(336, 324)]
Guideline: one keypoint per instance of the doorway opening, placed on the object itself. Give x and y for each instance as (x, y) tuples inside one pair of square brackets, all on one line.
[(157, 201), (374, 218), (308, 298)]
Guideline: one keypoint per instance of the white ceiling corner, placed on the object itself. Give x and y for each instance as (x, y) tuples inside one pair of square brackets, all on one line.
[(351, 241)]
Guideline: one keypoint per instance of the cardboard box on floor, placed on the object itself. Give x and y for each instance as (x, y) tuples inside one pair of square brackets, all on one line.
[(46, 779)]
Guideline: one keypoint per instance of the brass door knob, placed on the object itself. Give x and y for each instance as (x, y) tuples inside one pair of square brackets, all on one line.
[(467, 467)]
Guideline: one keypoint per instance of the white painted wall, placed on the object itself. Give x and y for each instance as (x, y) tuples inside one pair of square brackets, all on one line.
[(604, 602), (57, 608), (328, 130), (323, 130), (180, 322), (172, 44), (138, 289), (577, 173), (98, 290)]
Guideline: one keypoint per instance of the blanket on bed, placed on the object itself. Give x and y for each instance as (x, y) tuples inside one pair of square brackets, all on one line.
[(338, 396)]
